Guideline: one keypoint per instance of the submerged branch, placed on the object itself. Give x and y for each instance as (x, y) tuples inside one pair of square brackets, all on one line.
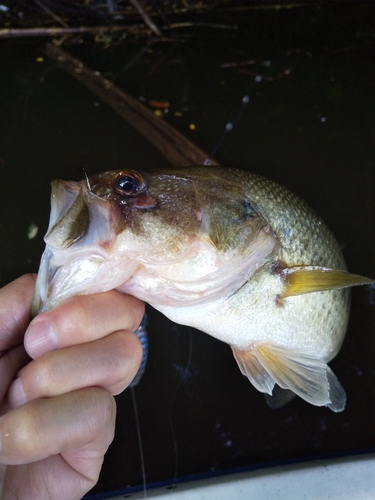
[(26, 32), (133, 29), (179, 150), (52, 14), (147, 19)]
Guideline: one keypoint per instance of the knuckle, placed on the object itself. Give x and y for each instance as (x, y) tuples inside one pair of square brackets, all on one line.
[(44, 376), (103, 406)]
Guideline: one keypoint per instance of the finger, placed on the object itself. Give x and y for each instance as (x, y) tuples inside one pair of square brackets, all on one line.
[(45, 427), (15, 305), (10, 363), (82, 319), (110, 363)]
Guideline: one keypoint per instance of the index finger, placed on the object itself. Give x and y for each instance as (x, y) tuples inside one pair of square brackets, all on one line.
[(15, 305), (82, 319)]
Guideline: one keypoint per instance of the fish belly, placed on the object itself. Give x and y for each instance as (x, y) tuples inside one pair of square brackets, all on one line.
[(315, 322)]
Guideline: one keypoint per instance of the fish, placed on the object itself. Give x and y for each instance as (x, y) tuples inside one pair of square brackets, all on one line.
[(225, 251)]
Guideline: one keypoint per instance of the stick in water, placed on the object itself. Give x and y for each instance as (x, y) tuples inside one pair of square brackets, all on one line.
[(170, 142)]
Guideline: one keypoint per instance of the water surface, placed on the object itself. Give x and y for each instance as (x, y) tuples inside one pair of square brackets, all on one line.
[(309, 126)]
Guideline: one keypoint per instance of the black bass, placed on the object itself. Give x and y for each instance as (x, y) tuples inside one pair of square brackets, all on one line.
[(222, 250)]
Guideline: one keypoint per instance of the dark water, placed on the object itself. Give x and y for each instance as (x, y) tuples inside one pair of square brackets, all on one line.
[(312, 130)]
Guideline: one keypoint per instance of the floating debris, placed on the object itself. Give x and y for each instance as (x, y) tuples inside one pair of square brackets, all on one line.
[(32, 231), (159, 104)]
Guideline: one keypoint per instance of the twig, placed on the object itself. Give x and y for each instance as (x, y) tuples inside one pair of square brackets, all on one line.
[(52, 14), (26, 32), (169, 141), (286, 72), (241, 63), (147, 19), (30, 32), (198, 24)]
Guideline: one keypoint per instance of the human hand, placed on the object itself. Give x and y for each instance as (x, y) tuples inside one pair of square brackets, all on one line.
[(58, 414)]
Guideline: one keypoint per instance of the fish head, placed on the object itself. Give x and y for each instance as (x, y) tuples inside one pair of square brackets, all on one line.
[(105, 228)]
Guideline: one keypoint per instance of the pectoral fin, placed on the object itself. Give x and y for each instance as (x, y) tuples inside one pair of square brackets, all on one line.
[(307, 279), (295, 370)]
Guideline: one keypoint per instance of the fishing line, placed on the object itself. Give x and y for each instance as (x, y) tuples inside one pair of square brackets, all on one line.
[(81, 169), (140, 444), (141, 333), (183, 377), (244, 102)]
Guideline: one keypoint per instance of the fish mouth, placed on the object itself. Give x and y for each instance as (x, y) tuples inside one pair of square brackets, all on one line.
[(69, 220), (57, 282), (80, 240)]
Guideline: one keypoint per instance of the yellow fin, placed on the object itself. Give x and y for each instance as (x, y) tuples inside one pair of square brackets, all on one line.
[(307, 376), (292, 369), (307, 279)]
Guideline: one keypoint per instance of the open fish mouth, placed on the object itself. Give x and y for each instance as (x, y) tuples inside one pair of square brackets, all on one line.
[(78, 240)]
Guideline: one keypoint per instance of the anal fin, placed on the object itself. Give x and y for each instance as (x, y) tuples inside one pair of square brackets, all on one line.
[(292, 369), (250, 367), (307, 279)]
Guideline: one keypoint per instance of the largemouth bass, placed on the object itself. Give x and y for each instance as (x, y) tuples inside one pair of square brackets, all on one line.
[(222, 250)]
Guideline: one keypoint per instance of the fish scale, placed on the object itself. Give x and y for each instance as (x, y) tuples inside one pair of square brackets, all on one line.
[(301, 219)]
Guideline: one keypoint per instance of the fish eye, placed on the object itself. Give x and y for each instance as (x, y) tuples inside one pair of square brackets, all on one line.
[(129, 183)]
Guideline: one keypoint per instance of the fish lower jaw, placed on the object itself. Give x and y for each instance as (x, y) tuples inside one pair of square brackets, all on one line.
[(82, 274)]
